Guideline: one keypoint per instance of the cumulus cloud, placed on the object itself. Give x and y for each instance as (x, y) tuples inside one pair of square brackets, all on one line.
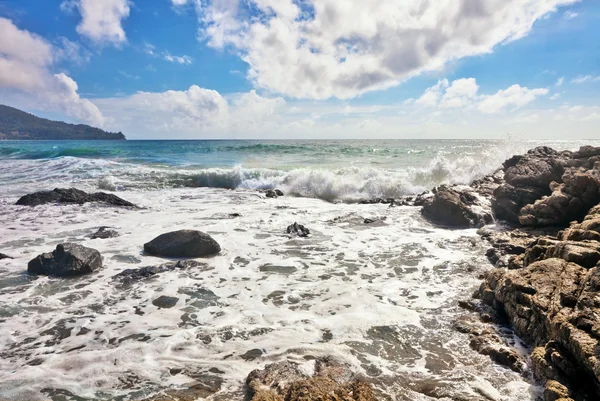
[(26, 62), (329, 48), (101, 20), (178, 59), (464, 93)]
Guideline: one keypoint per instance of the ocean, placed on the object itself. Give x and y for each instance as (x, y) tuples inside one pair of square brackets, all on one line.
[(382, 297)]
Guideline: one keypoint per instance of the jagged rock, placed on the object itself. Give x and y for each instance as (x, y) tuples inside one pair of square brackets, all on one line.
[(538, 168), (3, 256), (271, 194), (288, 381), (457, 207), (71, 195), (508, 200), (183, 244), (104, 233), (298, 229), (66, 260), (130, 275), (205, 386)]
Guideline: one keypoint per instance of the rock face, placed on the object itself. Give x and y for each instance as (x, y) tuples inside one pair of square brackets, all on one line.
[(72, 196), (183, 244), (457, 207), (66, 260), (287, 381), (551, 298)]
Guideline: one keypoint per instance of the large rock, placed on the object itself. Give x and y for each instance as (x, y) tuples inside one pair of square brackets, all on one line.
[(289, 381), (457, 207), (72, 196), (183, 244), (66, 260), (508, 200)]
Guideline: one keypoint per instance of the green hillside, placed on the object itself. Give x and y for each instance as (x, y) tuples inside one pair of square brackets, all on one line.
[(18, 125)]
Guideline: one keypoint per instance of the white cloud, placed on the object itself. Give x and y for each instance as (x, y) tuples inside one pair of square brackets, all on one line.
[(460, 93), (101, 20), (26, 76), (570, 14), (585, 78), (178, 59), (515, 96), (432, 95), (560, 81), (556, 96), (329, 48)]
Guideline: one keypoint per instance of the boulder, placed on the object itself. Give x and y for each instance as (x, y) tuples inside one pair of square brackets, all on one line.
[(289, 381), (71, 196), (66, 260), (183, 244), (456, 207), (508, 200), (298, 229), (165, 302)]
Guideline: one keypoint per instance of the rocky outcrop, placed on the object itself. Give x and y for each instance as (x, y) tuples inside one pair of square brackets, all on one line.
[(298, 229), (66, 260), (457, 207), (71, 196), (325, 379), (183, 244)]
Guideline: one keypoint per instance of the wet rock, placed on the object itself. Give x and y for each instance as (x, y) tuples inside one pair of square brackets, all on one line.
[(508, 200), (205, 386), (298, 229), (165, 302), (324, 379), (252, 355), (457, 207), (131, 275), (72, 196), (555, 391), (66, 260), (183, 244), (271, 194), (3, 256), (104, 233)]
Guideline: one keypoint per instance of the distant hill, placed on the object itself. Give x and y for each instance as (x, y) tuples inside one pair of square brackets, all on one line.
[(16, 124)]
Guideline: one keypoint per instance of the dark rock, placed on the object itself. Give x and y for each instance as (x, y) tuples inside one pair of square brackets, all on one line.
[(3, 256), (278, 192), (298, 229), (271, 193), (130, 275), (104, 233), (183, 244), (165, 302), (456, 207), (66, 260), (252, 355), (509, 200), (73, 196)]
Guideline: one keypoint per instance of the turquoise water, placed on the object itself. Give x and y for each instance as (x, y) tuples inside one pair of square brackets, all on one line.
[(333, 170)]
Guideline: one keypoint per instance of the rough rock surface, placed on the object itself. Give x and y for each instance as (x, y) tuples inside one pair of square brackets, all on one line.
[(66, 260), (298, 229), (457, 207), (287, 381), (183, 244), (71, 195), (104, 233), (3, 256)]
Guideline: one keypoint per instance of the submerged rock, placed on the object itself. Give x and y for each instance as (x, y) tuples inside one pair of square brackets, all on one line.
[(183, 244), (456, 207), (66, 260), (104, 233), (3, 256), (73, 196), (273, 193), (165, 302), (130, 275), (324, 379), (298, 229)]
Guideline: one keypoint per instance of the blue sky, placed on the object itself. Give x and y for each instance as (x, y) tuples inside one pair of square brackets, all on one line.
[(307, 69)]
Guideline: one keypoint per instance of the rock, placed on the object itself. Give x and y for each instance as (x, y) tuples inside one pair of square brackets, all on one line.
[(252, 355), (165, 302), (205, 386), (3, 256), (66, 260), (456, 207), (130, 275), (271, 194), (71, 195), (183, 244), (289, 381), (104, 233), (278, 192), (538, 168), (298, 229), (554, 391), (508, 200)]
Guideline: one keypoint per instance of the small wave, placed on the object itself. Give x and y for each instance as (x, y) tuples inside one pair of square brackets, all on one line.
[(51, 153)]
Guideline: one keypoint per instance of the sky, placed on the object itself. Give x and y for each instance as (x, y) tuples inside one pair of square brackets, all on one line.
[(290, 69)]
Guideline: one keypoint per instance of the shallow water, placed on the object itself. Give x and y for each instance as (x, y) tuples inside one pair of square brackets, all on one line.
[(381, 297)]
